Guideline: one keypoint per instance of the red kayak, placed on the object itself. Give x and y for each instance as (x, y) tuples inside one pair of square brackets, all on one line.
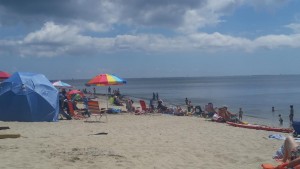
[(280, 166), (261, 127)]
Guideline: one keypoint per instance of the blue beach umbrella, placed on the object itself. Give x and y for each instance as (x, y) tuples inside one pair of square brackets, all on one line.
[(28, 97)]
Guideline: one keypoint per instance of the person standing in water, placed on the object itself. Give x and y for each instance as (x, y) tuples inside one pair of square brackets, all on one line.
[(291, 116), (186, 101), (280, 120)]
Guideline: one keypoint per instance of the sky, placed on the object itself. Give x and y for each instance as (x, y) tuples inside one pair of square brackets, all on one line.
[(78, 39)]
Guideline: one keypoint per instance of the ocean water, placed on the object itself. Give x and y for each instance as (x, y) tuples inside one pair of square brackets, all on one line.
[(256, 95)]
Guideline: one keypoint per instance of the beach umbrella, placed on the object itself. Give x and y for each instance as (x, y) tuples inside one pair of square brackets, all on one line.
[(106, 80), (28, 97), (4, 75), (61, 84), (72, 92)]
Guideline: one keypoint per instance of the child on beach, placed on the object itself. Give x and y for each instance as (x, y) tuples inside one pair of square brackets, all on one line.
[(280, 120), (241, 114)]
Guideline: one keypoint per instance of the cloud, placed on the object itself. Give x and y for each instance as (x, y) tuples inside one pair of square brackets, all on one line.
[(270, 5), (92, 14), (52, 33), (68, 28), (60, 40), (102, 15), (294, 26), (54, 40), (276, 41)]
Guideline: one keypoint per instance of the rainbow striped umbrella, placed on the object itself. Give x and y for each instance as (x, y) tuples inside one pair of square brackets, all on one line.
[(106, 80)]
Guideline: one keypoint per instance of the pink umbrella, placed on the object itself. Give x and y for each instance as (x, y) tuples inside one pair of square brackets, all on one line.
[(61, 84)]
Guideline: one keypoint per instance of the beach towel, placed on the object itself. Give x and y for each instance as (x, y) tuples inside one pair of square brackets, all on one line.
[(113, 111), (280, 137), (276, 137)]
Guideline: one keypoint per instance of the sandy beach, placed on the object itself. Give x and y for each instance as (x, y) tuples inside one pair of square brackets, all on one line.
[(135, 141)]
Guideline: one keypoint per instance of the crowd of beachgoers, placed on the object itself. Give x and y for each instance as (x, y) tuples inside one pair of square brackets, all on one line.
[(122, 103), (156, 105)]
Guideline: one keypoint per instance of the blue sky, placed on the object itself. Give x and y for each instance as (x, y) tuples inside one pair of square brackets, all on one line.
[(159, 38)]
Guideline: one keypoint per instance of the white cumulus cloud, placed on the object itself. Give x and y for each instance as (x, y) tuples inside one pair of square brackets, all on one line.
[(54, 40)]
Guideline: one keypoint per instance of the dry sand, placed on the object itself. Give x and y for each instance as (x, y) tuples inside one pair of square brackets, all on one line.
[(135, 141)]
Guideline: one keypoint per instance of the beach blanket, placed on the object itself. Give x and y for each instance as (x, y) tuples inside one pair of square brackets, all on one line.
[(276, 137), (113, 111), (280, 137)]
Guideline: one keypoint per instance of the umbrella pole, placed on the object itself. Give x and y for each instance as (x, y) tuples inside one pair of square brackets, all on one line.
[(107, 100), (106, 106)]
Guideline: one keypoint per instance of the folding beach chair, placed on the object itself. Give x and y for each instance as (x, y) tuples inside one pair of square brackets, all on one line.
[(72, 112), (144, 107), (94, 110)]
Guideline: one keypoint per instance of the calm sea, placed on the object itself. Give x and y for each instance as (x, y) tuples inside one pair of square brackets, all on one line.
[(255, 94)]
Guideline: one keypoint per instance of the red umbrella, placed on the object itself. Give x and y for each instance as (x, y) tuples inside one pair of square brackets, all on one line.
[(75, 92), (4, 75)]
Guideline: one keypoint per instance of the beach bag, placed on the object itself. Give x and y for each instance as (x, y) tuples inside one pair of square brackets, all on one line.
[(113, 111)]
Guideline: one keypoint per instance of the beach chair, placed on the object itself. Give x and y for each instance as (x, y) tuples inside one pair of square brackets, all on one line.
[(198, 111), (144, 107), (94, 110), (74, 114)]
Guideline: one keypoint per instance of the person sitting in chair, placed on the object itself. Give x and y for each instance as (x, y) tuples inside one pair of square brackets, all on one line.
[(291, 152), (179, 112), (226, 115), (209, 111), (117, 101), (198, 111), (160, 106), (86, 107), (62, 105)]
